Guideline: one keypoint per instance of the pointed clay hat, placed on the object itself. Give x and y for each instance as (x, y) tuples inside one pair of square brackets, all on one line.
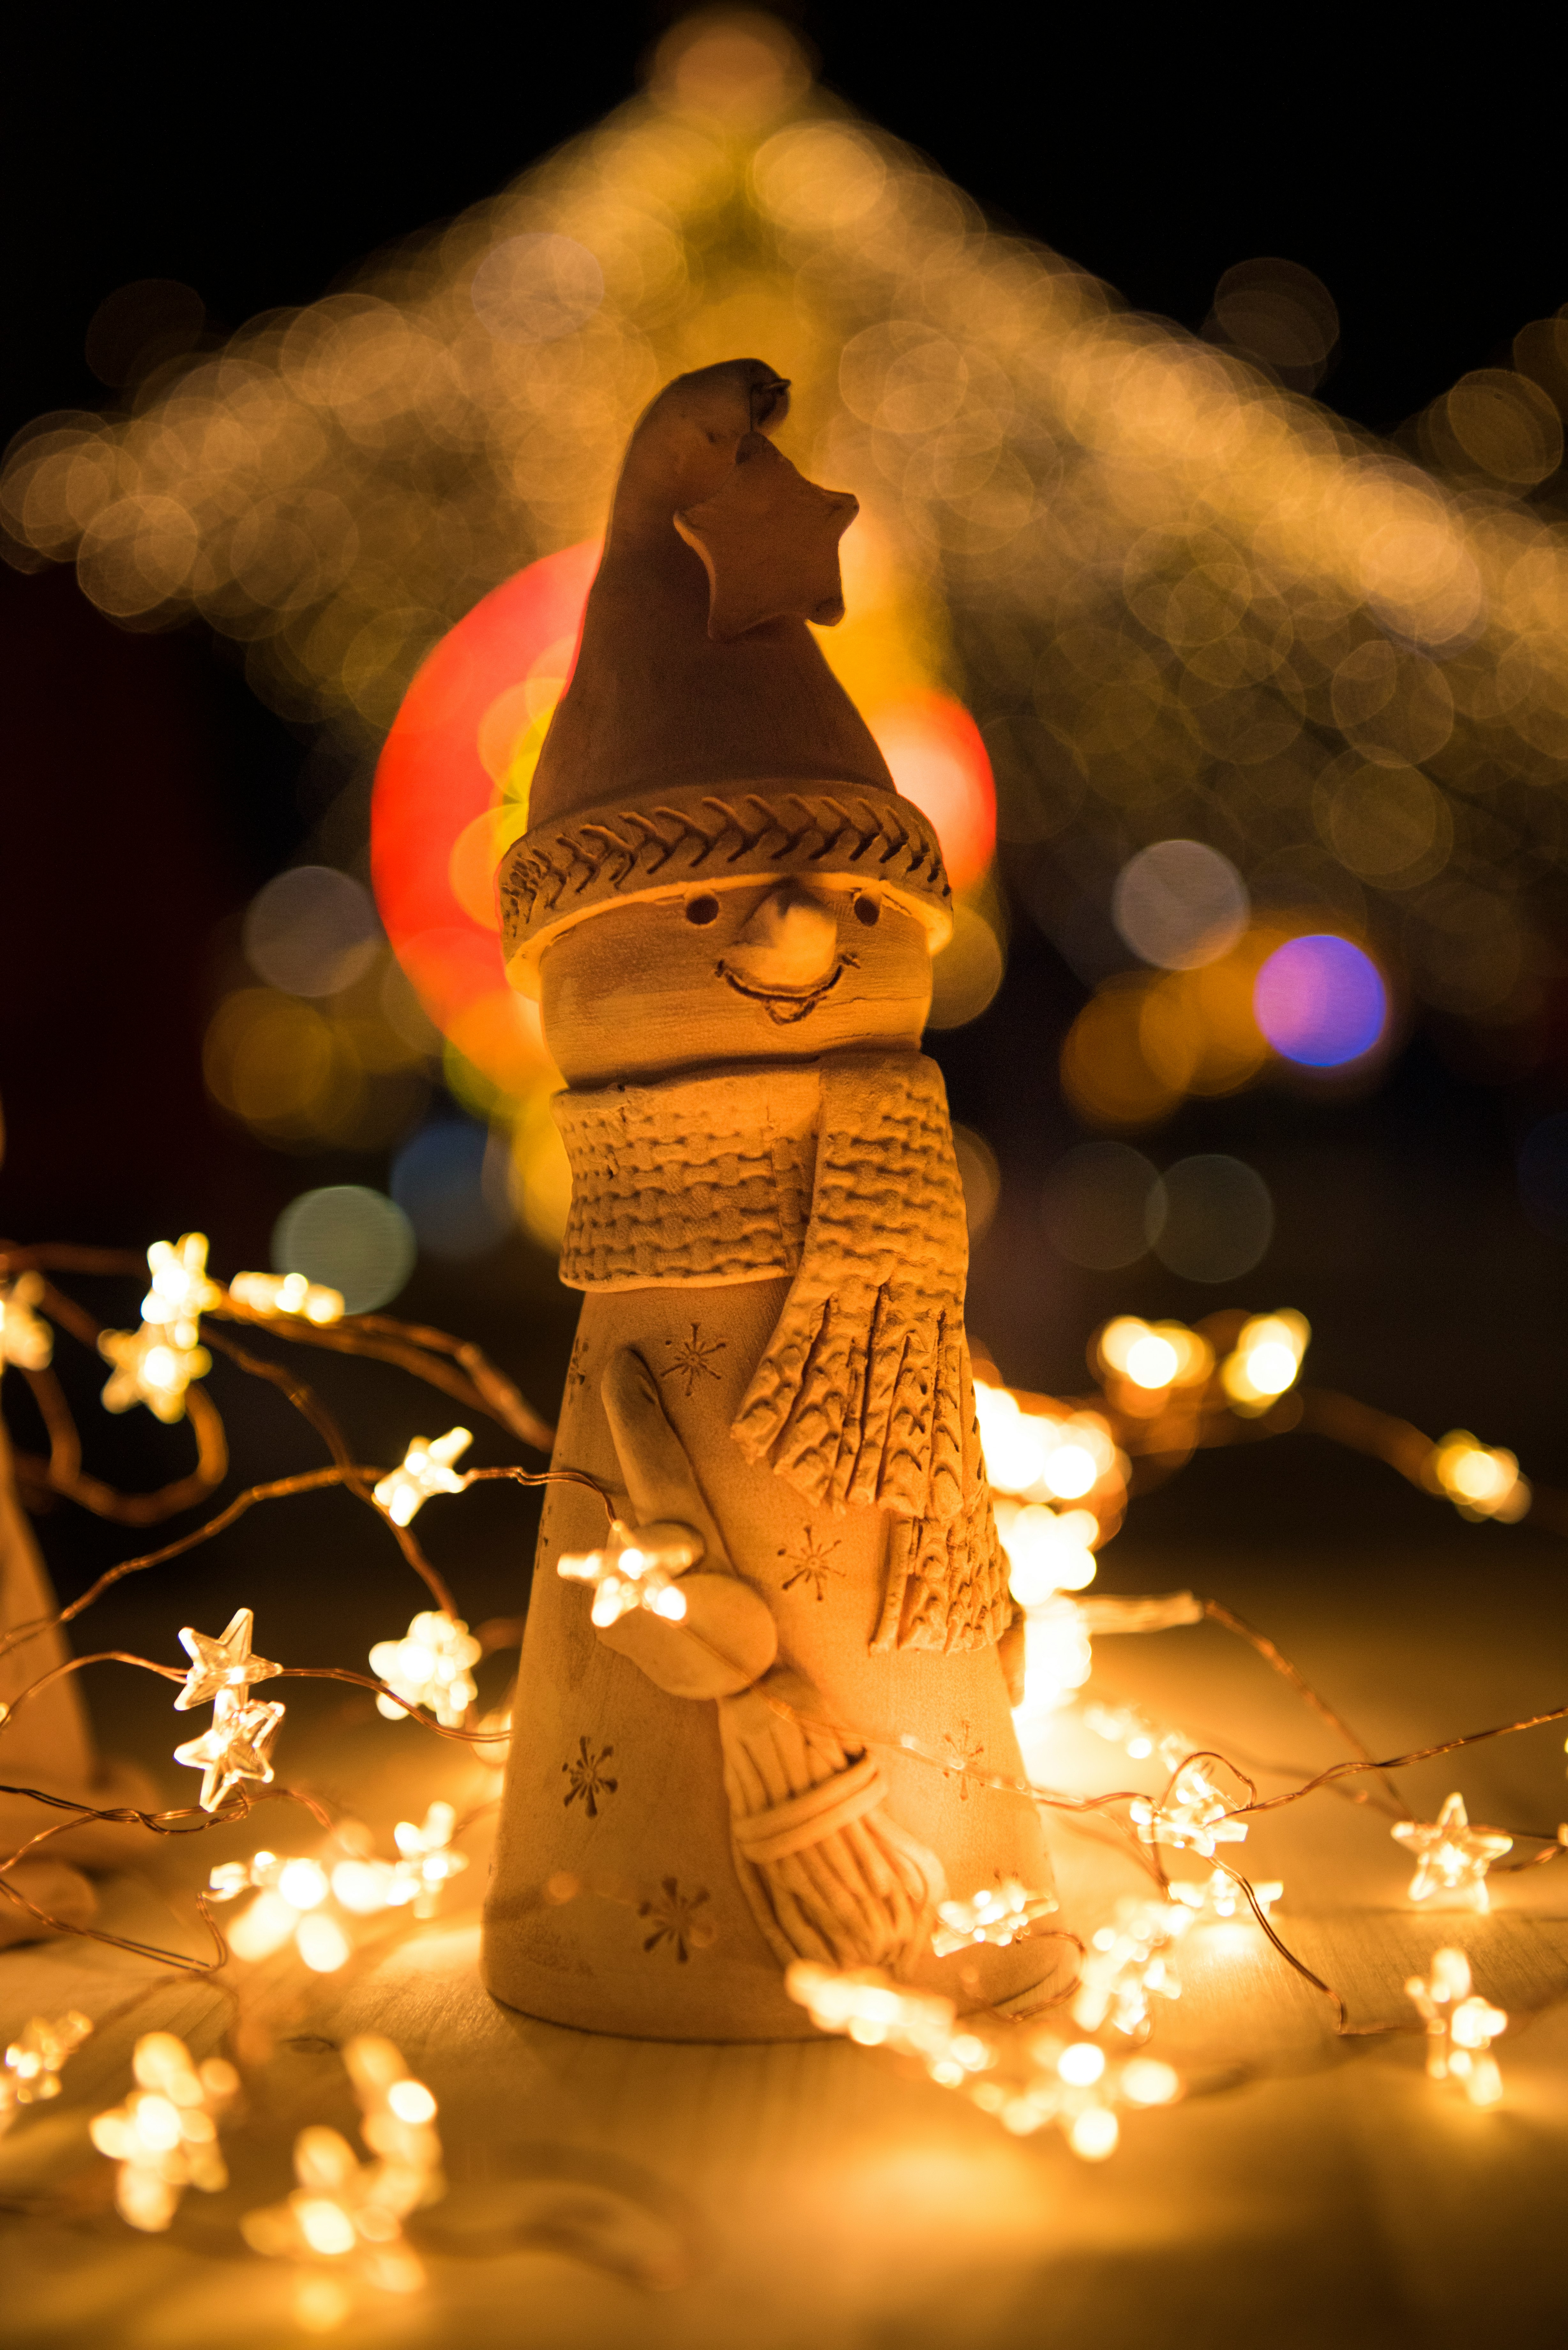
[(703, 737)]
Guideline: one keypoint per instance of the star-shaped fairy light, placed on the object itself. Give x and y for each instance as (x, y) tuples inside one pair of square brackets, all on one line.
[(1126, 1963), (997, 1913), (315, 1900), (1025, 2079), (429, 1666), (30, 2071), (1220, 1900), (345, 2218), (1451, 1857), (152, 1368), (181, 1292), (769, 543), (427, 1859), (165, 2135), (1461, 2027), (1193, 1816), (1128, 1727), (636, 1568), (234, 1748), (287, 1292), (225, 1663), (24, 1339), (296, 1898), (427, 1469)]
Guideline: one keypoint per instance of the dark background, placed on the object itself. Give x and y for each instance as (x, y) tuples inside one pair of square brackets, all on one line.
[(148, 793)]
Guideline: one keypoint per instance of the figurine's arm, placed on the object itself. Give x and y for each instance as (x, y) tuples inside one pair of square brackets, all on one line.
[(829, 1875)]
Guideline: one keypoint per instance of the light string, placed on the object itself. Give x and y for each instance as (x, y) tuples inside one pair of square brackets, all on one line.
[(1024, 2075)]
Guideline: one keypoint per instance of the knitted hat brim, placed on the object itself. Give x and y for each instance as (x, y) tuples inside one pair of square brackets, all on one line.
[(661, 845)]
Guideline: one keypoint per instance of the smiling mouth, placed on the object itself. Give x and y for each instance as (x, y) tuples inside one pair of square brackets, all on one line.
[(786, 1006)]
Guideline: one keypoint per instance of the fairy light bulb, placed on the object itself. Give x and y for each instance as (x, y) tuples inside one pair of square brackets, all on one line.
[(1023, 2081), (347, 2212), (237, 1746), (165, 2135), (1481, 1480), (1220, 1899), (1193, 1817), (1070, 1472), (24, 1339), (636, 1567), (1151, 1358), (999, 1914), (1266, 1360), (181, 1292), (1451, 1857), (1129, 1728), (428, 1860), (1126, 1963), (224, 1663), (1047, 1550), (150, 1367), (1461, 2027), (1152, 1361), (315, 1906), (1014, 1442), (1058, 1657), (288, 1294), (322, 1943), (426, 1468), (429, 1665), (31, 2068)]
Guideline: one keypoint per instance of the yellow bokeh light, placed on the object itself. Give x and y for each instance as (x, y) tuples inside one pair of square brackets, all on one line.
[(1266, 1361), (1481, 1480)]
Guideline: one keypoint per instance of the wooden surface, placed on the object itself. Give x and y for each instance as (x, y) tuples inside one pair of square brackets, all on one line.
[(605, 2191)]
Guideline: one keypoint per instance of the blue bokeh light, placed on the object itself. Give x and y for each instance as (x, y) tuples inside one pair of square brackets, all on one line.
[(1321, 1000), (440, 1182)]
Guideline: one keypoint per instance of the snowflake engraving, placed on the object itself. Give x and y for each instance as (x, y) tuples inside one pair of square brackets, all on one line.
[(671, 1914), (810, 1562), (692, 1355), (964, 1757), (586, 1772)]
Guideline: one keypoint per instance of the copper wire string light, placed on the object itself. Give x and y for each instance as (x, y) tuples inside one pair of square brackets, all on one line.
[(1279, 690), (323, 1903)]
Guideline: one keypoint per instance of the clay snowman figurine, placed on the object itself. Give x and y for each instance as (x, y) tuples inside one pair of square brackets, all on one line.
[(758, 1720)]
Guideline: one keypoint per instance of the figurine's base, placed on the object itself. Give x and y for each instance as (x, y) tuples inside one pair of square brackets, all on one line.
[(736, 2002)]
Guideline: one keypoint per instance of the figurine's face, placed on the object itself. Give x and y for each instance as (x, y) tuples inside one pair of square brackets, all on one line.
[(757, 972)]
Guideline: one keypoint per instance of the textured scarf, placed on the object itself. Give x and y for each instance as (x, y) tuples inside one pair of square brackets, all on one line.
[(840, 1174)]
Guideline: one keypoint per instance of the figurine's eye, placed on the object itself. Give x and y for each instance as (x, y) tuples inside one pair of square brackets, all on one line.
[(702, 911), (867, 909)]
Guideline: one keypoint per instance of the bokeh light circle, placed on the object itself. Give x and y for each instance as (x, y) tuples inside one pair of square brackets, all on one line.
[(981, 1177), (1097, 1205), (1179, 904), (537, 287), (1321, 1000), (967, 973), (937, 757), (311, 931), (442, 1184), (349, 1238), (451, 793), (1211, 1218)]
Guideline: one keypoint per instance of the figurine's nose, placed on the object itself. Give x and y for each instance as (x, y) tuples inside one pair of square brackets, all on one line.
[(791, 941)]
